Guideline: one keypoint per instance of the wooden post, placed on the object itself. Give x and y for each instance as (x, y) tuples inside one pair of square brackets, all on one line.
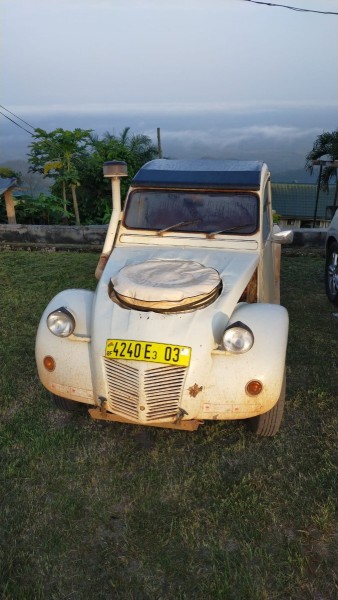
[(10, 208)]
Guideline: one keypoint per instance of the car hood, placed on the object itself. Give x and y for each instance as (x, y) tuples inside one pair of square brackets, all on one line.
[(234, 268)]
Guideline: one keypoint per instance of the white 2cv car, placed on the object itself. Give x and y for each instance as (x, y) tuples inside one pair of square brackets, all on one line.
[(185, 324)]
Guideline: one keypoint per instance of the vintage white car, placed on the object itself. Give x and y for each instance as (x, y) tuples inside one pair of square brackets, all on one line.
[(185, 324)]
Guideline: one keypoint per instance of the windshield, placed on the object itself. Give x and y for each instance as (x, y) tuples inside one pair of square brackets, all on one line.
[(206, 212)]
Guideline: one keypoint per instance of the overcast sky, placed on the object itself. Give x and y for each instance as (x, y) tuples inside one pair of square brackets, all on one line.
[(91, 54), (166, 56)]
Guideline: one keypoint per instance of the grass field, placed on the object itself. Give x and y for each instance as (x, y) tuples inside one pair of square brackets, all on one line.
[(112, 511)]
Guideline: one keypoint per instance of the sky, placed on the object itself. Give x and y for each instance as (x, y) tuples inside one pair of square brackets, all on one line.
[(202, 70)]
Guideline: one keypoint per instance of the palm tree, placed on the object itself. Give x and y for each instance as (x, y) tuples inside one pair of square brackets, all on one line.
[(134, 149), (325, 145), (137, 148), (95, 190)]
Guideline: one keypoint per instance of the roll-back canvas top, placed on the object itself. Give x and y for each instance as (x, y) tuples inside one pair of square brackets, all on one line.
[(210, 174)]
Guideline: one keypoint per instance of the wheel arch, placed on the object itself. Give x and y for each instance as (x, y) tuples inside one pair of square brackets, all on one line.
[(330, 241)]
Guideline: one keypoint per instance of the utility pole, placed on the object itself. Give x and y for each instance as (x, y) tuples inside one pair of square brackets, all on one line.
[(159, 147)]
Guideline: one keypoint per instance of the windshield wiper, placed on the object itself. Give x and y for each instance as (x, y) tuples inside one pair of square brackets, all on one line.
[(213, 233), (162, 231)]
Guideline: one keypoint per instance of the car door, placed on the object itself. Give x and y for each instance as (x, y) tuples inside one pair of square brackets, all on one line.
[(269, 271)]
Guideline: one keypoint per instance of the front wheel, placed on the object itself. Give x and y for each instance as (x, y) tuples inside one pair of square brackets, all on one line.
[(67, 405), (268, 424), (331, 273)]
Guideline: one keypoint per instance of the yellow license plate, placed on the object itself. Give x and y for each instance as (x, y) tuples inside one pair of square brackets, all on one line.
[(167, 354)]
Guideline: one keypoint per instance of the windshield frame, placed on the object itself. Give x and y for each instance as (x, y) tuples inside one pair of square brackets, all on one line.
[(200, 192)]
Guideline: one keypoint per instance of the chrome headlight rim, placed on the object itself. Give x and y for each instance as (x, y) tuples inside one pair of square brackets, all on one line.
[(244, 335), (61, 322)]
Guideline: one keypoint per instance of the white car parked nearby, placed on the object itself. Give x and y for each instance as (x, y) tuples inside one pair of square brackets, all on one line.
[(331, 264), (185, 324)]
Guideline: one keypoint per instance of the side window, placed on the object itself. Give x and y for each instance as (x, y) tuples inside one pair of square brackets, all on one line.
[(266, 214)]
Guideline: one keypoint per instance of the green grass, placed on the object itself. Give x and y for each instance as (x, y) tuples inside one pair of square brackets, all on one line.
[(112, 511)]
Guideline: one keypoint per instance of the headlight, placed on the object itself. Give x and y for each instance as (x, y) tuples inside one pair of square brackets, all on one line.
[(61, 322), (238, 338)]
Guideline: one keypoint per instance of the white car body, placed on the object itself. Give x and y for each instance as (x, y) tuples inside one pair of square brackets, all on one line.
[(214, 385), (332, 232)]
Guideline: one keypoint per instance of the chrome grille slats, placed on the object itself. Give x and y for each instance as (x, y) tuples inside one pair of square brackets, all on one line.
[(163, 387), (157, 388), (123, 386)]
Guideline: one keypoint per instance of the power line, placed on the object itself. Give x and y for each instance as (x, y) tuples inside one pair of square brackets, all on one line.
[(15, 123), (305, 10), (16, 116)]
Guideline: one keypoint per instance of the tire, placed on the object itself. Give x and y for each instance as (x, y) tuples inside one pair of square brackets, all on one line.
[(268, 424), (331, 273), (67, 405)]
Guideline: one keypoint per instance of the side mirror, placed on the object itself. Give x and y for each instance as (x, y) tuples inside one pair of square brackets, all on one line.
[(281, 237)]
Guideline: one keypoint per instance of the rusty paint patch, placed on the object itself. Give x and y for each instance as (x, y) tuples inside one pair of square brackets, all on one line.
[(194, 390)]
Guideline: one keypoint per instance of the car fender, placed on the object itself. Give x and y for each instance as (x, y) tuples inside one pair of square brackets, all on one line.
[(268, 322), (71, 377), (226, 393)]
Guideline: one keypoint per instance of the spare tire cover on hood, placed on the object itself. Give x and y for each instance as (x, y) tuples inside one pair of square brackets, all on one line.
[(163, 285)]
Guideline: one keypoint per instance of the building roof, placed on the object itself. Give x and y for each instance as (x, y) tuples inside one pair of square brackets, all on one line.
[(6, 184), (295, 200), (230, 174)]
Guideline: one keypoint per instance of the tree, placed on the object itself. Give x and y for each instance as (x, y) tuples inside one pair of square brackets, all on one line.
[(95, 191), (57, 154), (74, 159), (8, 173), (326, 144), (136, 150)]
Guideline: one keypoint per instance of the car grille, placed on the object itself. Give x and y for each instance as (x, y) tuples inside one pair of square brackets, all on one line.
[(123, 387), (153, 393), (163, 387)]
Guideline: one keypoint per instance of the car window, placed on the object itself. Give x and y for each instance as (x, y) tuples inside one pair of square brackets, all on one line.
[(192, 211)]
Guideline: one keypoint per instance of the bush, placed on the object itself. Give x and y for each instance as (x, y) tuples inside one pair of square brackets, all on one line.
[(42, 210)]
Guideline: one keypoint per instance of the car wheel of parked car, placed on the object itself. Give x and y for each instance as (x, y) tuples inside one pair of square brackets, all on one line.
[(68, 405), (268, 424), (331, 273)]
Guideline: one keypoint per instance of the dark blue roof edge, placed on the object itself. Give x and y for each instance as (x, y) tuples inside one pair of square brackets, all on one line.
[(198, 186)]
